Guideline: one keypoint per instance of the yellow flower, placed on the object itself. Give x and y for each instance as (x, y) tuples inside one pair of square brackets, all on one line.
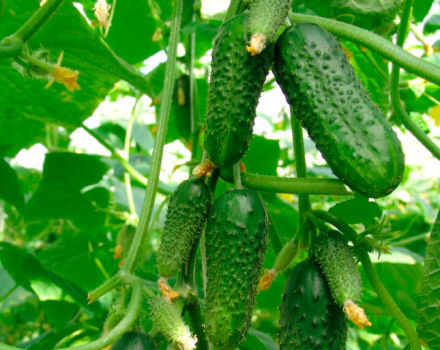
[(435, 114), (42, 2), (63, 75)]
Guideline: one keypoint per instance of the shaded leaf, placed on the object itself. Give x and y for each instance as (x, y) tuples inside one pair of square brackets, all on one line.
[(256, 340), (357, 211), (431, 25), (10, 190), (428, 323), (262, 156)]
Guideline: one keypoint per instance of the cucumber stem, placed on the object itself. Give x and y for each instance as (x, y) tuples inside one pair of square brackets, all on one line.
[(374, 42), (233, 9), (141, 235), (237, 176), (395, 92)]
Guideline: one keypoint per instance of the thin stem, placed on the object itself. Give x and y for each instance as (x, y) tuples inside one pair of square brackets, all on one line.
[(291, 185), (273, 236), (395, 92), (388, 301), (107, 286), (8, 293), (237, 176), (376, 43), (126, 323), (421, 39), (141, 235), (233, 9), (196, 320), (127, 141), (110, 20), (192, 95), (127, 166)]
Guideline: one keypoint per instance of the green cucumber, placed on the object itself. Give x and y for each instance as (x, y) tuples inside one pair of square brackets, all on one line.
[(134, 341), (309, 318), (326, 96), (236, 83), (180, 108), (236, 234), (186, 216)]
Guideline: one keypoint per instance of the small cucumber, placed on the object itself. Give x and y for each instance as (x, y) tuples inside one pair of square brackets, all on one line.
[(326, 96), (186, 216), (236, 236), (236, 83), (134, 341), (309, 318)]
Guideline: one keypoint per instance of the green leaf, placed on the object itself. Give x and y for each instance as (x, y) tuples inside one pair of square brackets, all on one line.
[(27, 272), (25, 104), (58, 312), (431, 25), (421, 9), (357, 211), (61, 195), (262, 156), (10, 190), (428, 323), (256, 340)]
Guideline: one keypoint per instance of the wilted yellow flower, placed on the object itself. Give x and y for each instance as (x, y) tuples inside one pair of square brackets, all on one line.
[(63, 75), (102, 12)]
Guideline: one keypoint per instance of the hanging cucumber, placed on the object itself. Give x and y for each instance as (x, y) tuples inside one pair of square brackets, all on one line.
[(326, 96), (309, 318), (236, 235), (236, 83), (340, 269), (186, 216)]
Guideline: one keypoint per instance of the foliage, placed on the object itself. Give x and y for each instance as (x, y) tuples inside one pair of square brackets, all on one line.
[(86, 104)]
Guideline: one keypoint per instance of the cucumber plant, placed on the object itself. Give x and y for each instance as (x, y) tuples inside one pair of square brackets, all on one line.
[(60, 233)]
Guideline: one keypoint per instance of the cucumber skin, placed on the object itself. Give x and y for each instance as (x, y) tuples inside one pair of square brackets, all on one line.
[(186, 215), (236, 83), (351, 132), (134, 341), (236, 235), (309, 317)]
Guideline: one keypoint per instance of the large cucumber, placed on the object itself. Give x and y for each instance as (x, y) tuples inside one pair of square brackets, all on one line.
[(351, 132), (310, 319), (236, 83), (235, 244), (186, 216)]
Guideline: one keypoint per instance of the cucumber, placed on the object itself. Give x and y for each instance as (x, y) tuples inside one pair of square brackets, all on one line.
[(326, 96), (134, 341), (236, 234), (309, 318), (340, 269), (181, 106), (186, 216), (236, 83)]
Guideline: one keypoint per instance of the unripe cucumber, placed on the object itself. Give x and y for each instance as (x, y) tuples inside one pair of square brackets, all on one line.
[(236, 83), (326, 96), (236, 235), (134, 341), (338, 263), (309, 317), (186, 216)]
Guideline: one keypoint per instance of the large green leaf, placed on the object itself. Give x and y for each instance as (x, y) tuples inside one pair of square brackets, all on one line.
[(421, 9), (357, 211), (10, 190), (25, 104), (61, 191), (428, 324)]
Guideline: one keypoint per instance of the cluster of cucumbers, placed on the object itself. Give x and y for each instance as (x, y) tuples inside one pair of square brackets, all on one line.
[(348, 129)]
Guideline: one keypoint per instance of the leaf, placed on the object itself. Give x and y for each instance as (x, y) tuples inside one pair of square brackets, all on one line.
[(428, 323), (357, 211), (27, 272), (10, 190), (431, 25), (256, 340), (25, 104), (60, 193), (421, 9), (58, 312), (262, 156)]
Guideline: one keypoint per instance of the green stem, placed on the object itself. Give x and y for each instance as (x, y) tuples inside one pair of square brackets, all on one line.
[(141, 235), (8, 293), (290, 185), (106, 287), (395, 92), (237, 176), (380, 289), (376, 43), (196, 320), (127, 166), (388, 301), (110, 19), (273, 236), (127, 141), (126, 323), (233, 9)]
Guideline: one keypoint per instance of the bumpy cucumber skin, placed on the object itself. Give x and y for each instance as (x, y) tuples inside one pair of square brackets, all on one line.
[(134, 341), (236, 235), (309, 317), (351, 132), (186, 216), (237, 79), (338, 263)]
